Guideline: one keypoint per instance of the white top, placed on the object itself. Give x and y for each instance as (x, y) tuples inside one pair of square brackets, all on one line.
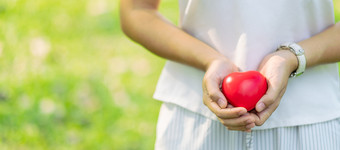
[(245, 31)]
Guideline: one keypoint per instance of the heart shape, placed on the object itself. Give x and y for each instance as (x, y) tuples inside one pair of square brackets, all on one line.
[(244, 89)]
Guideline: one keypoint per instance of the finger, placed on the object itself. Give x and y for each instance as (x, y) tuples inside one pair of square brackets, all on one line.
[(249, 126), (214, 93), (241, 121), (213, 96), (265, 114), (255, 116), (267, 99), (226, 113)]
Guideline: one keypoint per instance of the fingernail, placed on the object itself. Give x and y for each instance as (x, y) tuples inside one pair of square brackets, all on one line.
[(221, 103), (260, 107), (249, 121)]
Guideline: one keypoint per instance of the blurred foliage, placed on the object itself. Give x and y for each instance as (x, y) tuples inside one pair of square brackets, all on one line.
[(71, 80)]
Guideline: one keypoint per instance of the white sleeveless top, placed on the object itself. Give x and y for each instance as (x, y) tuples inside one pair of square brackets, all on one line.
[(245, 31)]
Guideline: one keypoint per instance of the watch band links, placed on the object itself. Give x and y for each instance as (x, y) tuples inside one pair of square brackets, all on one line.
[(299, 53)]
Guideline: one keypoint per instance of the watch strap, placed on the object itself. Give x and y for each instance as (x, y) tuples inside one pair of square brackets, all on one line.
[(299, 53)]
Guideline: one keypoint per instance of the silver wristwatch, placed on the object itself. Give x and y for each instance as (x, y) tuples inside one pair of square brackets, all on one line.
[(300, 54)]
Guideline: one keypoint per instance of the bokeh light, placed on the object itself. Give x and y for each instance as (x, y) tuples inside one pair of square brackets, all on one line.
[(70, 79)]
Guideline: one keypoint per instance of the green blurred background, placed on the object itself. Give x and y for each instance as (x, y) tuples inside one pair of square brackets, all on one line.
[(70, 79)]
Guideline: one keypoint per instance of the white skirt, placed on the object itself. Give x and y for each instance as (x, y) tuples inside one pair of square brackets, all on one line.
[(181, 129)]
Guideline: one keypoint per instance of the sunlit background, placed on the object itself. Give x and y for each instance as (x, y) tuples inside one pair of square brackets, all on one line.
[(70, 79)]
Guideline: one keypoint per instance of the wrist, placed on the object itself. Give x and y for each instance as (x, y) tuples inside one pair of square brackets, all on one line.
[(289, 59), (299, 55), (216, 60)]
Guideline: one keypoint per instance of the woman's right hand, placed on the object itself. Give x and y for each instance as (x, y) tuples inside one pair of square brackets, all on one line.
[(234, 118)]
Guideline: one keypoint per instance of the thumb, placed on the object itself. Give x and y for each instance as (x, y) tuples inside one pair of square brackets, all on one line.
[(222, 103), (266, 100), (212, 89), (217, 96)]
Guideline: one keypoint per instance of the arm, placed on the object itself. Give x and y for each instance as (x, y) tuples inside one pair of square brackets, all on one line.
[(319, 49), (324, 47), (141, 21)]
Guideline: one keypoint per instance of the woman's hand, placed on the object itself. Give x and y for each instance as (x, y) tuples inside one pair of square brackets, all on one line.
[(276, 67), (234, 118)]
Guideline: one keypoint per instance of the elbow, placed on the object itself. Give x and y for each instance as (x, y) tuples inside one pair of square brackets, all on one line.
[(124, 13), (126, 26), (337, 26), (123, 22), (123, 25), (134, 13)]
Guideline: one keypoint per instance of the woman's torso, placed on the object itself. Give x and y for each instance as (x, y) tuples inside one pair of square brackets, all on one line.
[(246, 31)]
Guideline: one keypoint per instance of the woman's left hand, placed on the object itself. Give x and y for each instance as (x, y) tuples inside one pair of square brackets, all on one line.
[(276, 67)]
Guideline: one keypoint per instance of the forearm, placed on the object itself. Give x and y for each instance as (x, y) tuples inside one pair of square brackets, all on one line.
[(147, 27), (323, 47)]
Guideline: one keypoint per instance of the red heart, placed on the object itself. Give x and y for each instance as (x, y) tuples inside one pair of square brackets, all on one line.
[(244, 89)]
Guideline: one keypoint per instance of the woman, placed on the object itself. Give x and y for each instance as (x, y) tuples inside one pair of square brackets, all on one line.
[(217, 38)]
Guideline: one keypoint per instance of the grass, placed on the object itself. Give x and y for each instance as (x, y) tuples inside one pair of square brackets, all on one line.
[(69, 78)]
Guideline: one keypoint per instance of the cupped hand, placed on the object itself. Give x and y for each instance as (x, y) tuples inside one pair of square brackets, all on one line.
[(276, 67), (234, 118)]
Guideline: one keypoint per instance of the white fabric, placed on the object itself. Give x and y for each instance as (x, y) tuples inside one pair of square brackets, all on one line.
[(181, 129), (245, 31)]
